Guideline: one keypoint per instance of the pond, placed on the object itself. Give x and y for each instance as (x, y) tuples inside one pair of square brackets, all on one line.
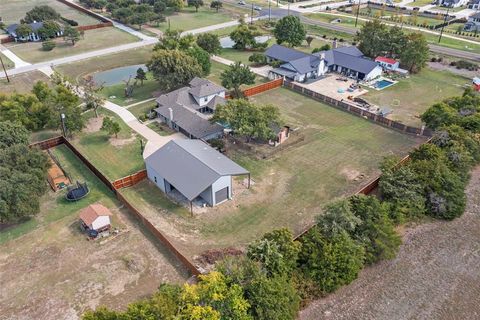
[(117, 75), (228, 43)]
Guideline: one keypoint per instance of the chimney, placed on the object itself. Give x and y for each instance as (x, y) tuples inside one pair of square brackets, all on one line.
[(322, 56), (171, 114), (334, 44)]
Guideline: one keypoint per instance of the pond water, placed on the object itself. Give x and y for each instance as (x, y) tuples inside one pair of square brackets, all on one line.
[(228, 43), (117, 75)]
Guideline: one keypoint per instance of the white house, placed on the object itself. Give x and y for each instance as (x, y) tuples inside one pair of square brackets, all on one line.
[(452, 3), (474, 4), (95, 217), (34, 36), (388, 63), (194, 169), (189, 109), (299, 66), (473, 23)]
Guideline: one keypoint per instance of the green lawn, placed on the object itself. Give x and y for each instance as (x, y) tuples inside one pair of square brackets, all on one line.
[(22, 83), (14, 10), (7, 62), (337, 155), (420, 3), (54, 206), (142, 108), (188, 19), (77, 70), (411, 97), (140, 93), (94, 40), (113, 161)]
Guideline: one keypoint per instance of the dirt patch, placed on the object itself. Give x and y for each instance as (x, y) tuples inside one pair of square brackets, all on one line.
[(117, 142), (352, 174), (94, 124), (445, 66), (436, 275)]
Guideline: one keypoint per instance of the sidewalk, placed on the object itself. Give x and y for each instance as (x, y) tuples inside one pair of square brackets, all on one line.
[(13, 57)]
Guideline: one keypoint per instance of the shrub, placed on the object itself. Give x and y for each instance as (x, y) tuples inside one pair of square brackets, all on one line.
[(71, 22), (48, 45), (258, 58)]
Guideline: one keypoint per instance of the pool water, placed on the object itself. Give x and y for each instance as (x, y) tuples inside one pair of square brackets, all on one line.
[(382, 84), (117, 75)]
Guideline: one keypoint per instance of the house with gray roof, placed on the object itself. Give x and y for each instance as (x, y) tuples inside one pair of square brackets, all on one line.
[(189, 109), (473, 23), (452, 3), (194, 169), (34, 36), (299, 66)]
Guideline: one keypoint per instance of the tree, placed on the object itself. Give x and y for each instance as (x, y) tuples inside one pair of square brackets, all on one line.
[(202, 57), (235, 76), (141, 75), (258, 58), (176, 5), (159, 6), (41, 13), (139, 19), (309, 40), (122, 14), (49, 29), (276, 251), (415, 53), (330, 261), (244, 37), (290, 30), (195, 3), (110, 126), (209, 42), (12, 133), (372, 38), (48, 45), (173, 68), (25, 109), (173, 40), (71, 34), (24, 30), (217, 5), (91, 94), (325, 47), (247, 119), (396, 39), (338, 218)]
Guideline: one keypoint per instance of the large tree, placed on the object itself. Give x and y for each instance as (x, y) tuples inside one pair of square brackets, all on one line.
[(24, 30), (91, 94), (248, 120), (41, 13), (202, 57), (12, 133), (415, 53), (244, 37), (235, 76), (195, 3), (372, 38), (173, 39), (49, 29), (173, 68), (290, 30), (71, 34), (216, 4), (209, 42)]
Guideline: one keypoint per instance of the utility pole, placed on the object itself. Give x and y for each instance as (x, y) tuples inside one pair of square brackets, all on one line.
[(443, 25), (251, 16), (269, 10), (4, 70), (358, 12), (289, 8)]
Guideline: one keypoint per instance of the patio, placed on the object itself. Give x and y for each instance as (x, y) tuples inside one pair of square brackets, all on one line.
[(330, 86)]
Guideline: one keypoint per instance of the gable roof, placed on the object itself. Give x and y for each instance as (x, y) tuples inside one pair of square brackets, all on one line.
[(92, 212), (203, 87), (191, 166), (284, 54), (348, 57), (385, 60), (11, 29)]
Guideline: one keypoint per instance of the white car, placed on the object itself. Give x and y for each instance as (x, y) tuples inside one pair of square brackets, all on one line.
[(241, 2), (257, 8)]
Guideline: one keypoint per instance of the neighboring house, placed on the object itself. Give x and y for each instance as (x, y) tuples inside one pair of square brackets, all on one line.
[(189, 109), (474, 4), (299, 66), (95, 217), (476, 83), (194, 169), (452, 3), (473, 23), (34, 36), (388, 63)]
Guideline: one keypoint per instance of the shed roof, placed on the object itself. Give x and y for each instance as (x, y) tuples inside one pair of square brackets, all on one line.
[(92, 212), (191, 166)]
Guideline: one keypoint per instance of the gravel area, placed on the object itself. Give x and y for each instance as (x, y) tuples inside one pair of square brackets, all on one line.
[(435, 276)]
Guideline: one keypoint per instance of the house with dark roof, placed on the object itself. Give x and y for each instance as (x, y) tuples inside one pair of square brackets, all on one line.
[(473, 23), (474, 4), (452, 3), (34, 36), (194, 169), (189, 109), (299, 66)]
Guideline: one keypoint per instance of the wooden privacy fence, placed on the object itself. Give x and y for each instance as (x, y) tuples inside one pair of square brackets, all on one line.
[(95, 26), (56, 141), (263, 87), (353, 109), (130, 180)]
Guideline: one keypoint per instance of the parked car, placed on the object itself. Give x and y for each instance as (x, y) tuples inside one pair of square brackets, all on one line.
[(257, 8), (416, 8), (241, 2)]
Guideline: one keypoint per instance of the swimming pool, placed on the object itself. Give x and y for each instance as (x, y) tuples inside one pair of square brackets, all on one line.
[(382, 84)]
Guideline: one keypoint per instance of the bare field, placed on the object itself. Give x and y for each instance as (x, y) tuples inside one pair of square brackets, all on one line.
[(435, 276), (22, 83)]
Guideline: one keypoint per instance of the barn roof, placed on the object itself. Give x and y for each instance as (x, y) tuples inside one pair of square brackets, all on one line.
[(92, 212)]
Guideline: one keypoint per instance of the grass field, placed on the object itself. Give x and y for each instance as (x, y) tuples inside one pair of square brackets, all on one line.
[(52, 269), (142, 108), (114, 157), (22, 83), (14, 10), (79, 69), (93, 40), (331, 154), (411, 97), (188, 19), (420, 3), (7, 62)]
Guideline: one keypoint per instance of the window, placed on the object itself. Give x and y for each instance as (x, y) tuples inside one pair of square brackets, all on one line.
[(155, 178)]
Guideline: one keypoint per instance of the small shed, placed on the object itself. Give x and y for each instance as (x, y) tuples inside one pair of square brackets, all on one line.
[(388, 63), (95, 217), (476, 83)]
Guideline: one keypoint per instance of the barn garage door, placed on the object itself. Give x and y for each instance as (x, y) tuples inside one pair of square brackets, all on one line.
[(221, 195)]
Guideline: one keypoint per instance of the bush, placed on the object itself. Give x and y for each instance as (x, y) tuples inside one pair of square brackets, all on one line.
[(258, 58), (71, 22), (48, 45), (217, 144)]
